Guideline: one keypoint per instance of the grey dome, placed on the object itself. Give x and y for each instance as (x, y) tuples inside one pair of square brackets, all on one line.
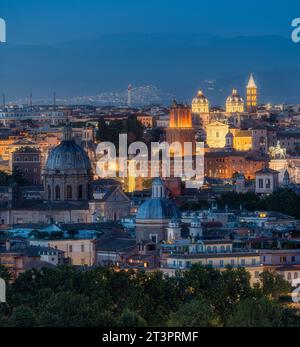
[(158, 209), (68, 156)]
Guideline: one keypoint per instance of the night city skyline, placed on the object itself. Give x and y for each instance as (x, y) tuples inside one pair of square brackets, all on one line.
[(149, 171)]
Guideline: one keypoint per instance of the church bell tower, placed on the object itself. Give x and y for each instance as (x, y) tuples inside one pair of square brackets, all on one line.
[(251, 95)]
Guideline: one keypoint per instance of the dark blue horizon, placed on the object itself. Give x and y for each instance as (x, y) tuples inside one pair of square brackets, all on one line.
[(36, 22)]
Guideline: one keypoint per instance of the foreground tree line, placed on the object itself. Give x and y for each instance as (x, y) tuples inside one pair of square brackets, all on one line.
[(201, 297), (282, 200)]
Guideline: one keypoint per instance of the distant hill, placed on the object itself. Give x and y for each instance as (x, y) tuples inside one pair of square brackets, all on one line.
[(176, 63)]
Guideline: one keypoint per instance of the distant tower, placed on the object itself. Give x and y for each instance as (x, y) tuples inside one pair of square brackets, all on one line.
[(251, 95), (129, 96), (181, 128)]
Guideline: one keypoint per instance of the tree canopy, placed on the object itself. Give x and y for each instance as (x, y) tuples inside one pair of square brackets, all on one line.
[(101, 297)]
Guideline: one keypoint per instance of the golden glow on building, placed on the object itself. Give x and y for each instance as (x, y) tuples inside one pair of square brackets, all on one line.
[(251, 95), (235, 103), (242, 139), (216, 134), (200, 104), (180, 116), (181, 127)]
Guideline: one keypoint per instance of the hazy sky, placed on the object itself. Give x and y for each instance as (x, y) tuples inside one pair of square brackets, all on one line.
[(49, 21)]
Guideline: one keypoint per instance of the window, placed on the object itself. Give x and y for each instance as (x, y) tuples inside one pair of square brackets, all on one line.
[(82, 248), (80, 192), (70, 248), (49, 193), (222, 263), (268, 183), (243, 262), (295, 275), (215, 249), (254, 262), (232, 262), (57, 192), (261, 183), (282, 259), (293, 259), (153, 238), (69, 192), (289, 276)]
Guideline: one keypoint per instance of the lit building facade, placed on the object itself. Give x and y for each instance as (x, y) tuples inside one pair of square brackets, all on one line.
[(200, 108), (216, 134), (200, 103), (181, 127), (28, 162), (235, 103), (225, 164), (242, 139), (251, 95)]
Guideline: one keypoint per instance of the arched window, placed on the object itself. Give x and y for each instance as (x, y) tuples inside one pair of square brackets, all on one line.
[(49, 192), (295, 275), (88, 191), (57, 192), (69, 192), (289, 276), (80, 192), (215, 249)]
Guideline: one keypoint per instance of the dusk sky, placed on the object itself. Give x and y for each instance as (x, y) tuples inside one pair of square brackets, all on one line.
[(192, 42), (42, 22)]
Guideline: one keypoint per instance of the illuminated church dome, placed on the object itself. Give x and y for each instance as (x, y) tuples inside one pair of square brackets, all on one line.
[(68, 172), (200, 103), (234, 103)]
